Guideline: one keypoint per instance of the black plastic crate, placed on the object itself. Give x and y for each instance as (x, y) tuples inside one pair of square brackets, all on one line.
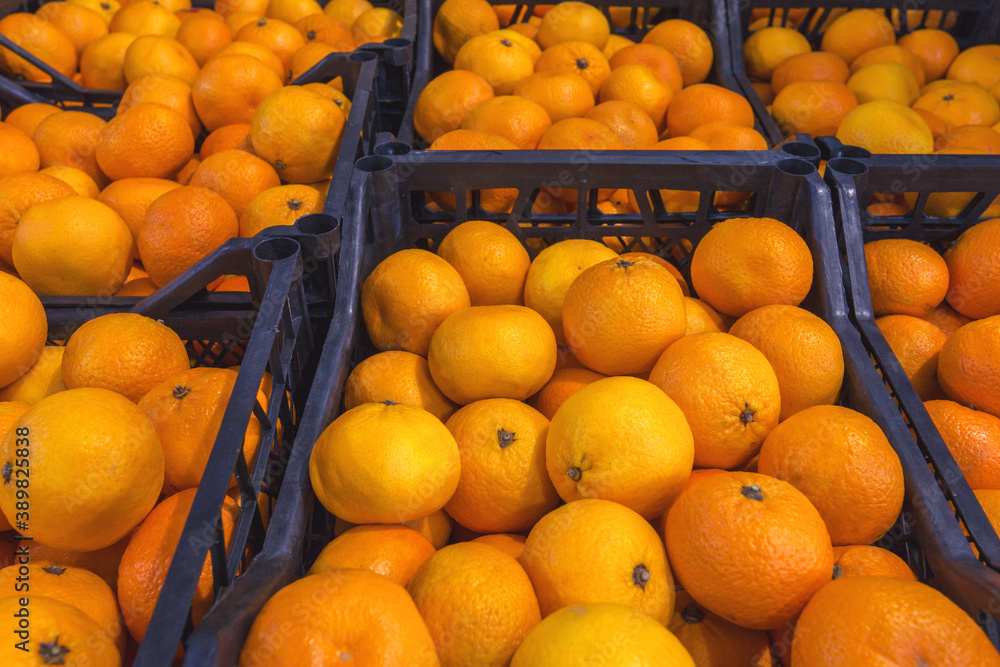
[(976, 22), (710, 15), (394, 74), (854, 176), (272, 333), (395, 216)]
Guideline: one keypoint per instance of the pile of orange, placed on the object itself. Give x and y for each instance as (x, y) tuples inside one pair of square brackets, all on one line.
[(941, 317), (103, 444), (916, 94), (553, 455), (561, 79), (202, 148)]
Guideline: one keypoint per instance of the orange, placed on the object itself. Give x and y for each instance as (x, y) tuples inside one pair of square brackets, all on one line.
[(945, 318), (394, 551), (258, 51), (621, 439), (44, 378), (363, 615), (148, 140), (979, 65), (498, 58), (130, 197), (18, 194), (562, 94), (446, 100), (503, 485), (145, 18), (518, 119), (552, 272), (906, 277), (708, 535), (972, 437), (642, 86), (80, 24), (961, 104), (203, 36), (803, 351), (975, 137), (884, 80), (661, 61), (229, 88), (746, 263), (492, 352), (831, 442), (491, 261), (162, 89), (884, 626), (41, 39), (896, 54), (967, 367), (701, 317), (662, 262), (813, 107), (884, 126), (916, 344), (81, 183), (325, 29), (712, 640), (856, 32), (728, 392), (615, 44), (974, 275), (181, 227), (812, 66), (281, 205), (57, 630), (280, 37), (10, 412), (96, 468), (500, 613), (306, 57), (187, 410), (236, 135), (573, 22), (582, 58), (688, 44), (595, 550), (291, 11), (935, 49), (102, 562), (407, 296), (236, 175), (148, 556), (57, 240), (492, 200), (347, 11), (455, 23), (573, 635), (23, 336), (726, 137), (400, 376), (19, 154), (376, 25), (862, 560), (155, 54), (704, 103), (619, 315), (564, 383), (366, 464), (767, 48), (123, 352), (69, 138), (509, 543), (27, 116), (138, 287), (435, 527), (102, 63), (298, 133), (106, 8), (73, 586), (183, 177)]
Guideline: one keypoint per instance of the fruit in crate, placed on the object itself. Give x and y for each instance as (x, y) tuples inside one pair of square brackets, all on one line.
[(915, 93), (598, 472), (262, 136)]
